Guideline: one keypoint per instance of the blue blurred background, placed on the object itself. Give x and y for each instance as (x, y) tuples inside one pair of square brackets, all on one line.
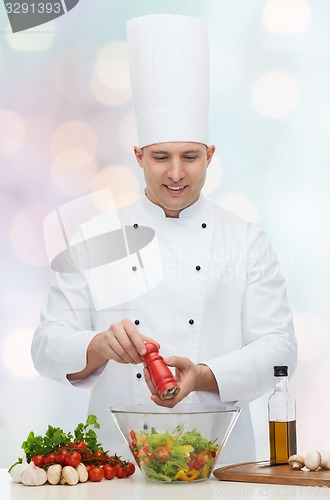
[(67, 129)]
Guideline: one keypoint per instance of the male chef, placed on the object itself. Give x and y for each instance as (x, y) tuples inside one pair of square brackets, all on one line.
[(219, 311)]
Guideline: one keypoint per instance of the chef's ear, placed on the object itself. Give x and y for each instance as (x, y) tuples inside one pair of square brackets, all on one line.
[(138, 155), (209, 153)]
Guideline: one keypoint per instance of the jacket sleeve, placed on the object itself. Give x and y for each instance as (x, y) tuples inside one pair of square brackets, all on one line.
[(266, 327), (60, 342)]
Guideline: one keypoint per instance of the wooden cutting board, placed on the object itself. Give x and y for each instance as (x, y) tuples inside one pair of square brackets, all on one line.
[(262, 472)]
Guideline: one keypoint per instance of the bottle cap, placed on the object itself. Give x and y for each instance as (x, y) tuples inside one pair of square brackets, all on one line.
[(280, 371)]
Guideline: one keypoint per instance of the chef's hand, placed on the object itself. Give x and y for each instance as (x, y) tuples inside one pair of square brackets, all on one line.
[(189, 376), (121, 342)]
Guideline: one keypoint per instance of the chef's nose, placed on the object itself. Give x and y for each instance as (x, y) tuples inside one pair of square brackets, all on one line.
[(176, 170)]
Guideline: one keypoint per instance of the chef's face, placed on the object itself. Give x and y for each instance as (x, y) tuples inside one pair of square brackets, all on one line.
[(174, 173)]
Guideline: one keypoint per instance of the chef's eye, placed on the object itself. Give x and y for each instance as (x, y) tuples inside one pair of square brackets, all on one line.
[(160, 158), (190, 157)]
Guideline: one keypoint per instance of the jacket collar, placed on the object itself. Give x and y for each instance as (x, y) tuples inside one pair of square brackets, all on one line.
[(192, 211)]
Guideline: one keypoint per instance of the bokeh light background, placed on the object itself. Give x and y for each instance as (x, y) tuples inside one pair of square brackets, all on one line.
[(67, 129)]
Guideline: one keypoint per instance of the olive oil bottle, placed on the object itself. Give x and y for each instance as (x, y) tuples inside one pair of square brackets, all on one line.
[(282, 419)]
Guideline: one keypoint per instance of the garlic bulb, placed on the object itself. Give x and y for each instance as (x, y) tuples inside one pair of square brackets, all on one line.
[(17, 470), (33, 476)]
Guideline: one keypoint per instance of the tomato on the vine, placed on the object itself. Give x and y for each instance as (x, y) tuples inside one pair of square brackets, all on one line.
[(61, 456), (130, 469), (80, 446), (73, 459), (88, 454), (95, 474), (120, 471), (109, 471), (50, 458), (38, 460)]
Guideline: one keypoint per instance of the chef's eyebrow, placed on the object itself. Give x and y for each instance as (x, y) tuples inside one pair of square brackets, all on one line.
[(164, 152)]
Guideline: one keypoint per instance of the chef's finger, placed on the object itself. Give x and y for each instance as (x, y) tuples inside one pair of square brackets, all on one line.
[(148, 380), (135, 337), (149, 339), (120, 350), (177, 361), (117, 340)]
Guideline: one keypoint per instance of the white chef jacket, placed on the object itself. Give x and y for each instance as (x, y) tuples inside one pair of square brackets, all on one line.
[(221, 301)]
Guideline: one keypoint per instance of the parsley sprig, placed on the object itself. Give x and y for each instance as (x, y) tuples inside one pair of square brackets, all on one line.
[(55, 438)]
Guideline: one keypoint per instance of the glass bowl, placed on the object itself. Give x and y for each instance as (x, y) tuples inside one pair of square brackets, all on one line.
[(180, 444)]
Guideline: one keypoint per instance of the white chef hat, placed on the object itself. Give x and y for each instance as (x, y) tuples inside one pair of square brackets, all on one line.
[(169, 63)]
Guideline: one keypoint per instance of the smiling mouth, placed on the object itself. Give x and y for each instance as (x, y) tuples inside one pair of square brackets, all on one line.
[(175, 189)]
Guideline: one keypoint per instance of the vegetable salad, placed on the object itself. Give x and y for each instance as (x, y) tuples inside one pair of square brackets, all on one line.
[(174, 456)]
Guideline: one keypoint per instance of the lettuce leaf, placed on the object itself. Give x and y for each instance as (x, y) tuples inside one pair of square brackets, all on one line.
[(155, 440)]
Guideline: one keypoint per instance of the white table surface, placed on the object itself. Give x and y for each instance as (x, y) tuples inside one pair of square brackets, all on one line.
[(136, 487)]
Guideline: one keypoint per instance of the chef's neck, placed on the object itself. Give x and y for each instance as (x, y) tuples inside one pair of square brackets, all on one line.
[(169, 212)]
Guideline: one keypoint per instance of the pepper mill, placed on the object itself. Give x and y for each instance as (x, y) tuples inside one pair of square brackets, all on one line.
[(160, 373)]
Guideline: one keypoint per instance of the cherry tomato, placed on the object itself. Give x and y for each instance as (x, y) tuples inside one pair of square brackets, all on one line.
[(80, 446), (109, 471), (162, 454), (120, 471), (61, 456), (73, 459), (50, 458), (130, 469), (95, 474), (38, 460), (88, 454)]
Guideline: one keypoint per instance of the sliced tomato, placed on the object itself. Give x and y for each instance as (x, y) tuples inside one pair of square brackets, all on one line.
[(162, 454), (204, 456)]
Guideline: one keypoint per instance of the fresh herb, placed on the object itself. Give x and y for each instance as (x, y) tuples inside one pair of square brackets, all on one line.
[(83, 433), (55, 438)]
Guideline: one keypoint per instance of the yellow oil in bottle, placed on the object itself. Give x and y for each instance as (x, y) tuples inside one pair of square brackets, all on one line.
[(282, 438)]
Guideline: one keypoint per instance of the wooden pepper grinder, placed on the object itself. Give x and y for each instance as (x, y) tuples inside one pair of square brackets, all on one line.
[(160, 373)]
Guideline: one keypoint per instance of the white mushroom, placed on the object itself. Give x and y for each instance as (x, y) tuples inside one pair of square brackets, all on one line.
[(82, 473), (297, 462), (325, 459), (313, 460), (69, 476), (54, 473)]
